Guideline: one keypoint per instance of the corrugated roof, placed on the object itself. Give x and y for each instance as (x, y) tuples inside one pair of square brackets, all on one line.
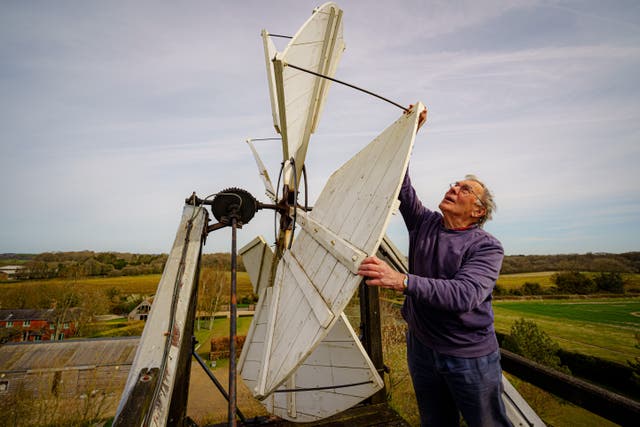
[(44, 355)]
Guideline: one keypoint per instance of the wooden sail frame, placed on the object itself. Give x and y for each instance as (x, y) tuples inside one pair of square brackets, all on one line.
[(336, 376), (297, 98), (317, 277)]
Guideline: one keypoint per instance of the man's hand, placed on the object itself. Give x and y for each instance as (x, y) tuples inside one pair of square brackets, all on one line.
[(422, 119), (379, 273)]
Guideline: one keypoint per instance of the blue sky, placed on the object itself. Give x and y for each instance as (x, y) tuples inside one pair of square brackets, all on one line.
[(113, 112)]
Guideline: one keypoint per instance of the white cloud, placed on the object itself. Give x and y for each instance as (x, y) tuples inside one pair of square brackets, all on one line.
[(115, 112)]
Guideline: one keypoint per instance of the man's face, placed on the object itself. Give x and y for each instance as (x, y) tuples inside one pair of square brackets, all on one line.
[(460, 202)]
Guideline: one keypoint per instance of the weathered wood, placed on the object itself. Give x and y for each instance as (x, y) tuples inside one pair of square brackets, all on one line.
[(340, 360), (309, 274), (257, 258), (379, 415), (339, 248), (609, 405), (166, 339), (372, 333)]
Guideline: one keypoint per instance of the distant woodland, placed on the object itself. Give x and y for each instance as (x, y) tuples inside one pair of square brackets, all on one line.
[(112, 264), (73, 265), (628, 262)]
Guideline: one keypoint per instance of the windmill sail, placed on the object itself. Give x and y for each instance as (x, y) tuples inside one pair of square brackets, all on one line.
[(164, 350), (297, 97), (339, 361), (268, 186), (317, 277)]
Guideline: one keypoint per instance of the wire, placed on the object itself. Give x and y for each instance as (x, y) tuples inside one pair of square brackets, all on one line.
[(347, 84), (294, 390), (265, 139), (280, 35)]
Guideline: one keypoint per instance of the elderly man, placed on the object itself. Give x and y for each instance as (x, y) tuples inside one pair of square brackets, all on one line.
[(452, 350)]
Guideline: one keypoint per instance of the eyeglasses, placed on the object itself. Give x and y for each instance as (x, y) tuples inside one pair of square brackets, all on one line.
[(466, 190)]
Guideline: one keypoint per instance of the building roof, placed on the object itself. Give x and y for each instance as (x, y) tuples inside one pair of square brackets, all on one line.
[(11, 267), (46, 355), (26, 314)]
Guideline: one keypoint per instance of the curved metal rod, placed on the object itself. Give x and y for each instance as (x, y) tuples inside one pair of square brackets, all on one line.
[(295, 201), (275, 228), (406, 110), (280, 35), (306, 189)]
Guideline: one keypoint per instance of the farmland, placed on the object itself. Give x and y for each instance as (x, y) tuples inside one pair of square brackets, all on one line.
[(603, 328)]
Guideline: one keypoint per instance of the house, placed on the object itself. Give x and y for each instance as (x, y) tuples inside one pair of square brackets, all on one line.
[(141, 312), (9, 271), (35, 325)]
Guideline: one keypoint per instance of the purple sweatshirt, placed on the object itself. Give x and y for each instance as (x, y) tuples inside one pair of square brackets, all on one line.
[(452, 274)]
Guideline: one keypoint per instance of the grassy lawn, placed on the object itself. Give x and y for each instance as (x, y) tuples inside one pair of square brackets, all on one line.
[(220, 328), (554, 411), (602, 328)]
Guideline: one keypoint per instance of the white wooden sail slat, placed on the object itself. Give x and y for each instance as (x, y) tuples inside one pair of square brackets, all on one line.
[(388, 190), (318, 404), (313, 257), (348, 184), (340, 281), (270, 315), (303, 334), (299, 307), (343, 187), (316, 259), (377, 191), (332, 49)]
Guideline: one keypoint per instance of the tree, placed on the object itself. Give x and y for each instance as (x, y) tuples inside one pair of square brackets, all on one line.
[(610, 282), (527, 340), (212, 283), (531, 288), (573, 282)]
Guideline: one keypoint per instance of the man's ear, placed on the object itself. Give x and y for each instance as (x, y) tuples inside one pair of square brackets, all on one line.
[(478, 212)]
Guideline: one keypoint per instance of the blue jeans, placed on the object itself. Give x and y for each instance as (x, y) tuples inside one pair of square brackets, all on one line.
[(446, 386)]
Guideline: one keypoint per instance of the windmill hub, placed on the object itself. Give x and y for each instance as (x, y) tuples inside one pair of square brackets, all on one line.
[(234, 202)]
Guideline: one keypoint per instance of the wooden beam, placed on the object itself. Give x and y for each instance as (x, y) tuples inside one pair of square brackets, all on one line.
[(611, 406), (372, 333)]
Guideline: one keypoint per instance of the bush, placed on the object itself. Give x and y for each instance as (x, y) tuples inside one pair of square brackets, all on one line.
[(527, 340)]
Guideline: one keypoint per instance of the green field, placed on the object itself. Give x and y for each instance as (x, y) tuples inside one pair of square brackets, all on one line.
[(604, 328)]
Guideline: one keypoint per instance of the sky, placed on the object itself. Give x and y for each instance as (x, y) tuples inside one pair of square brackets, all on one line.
[(112, 113)]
